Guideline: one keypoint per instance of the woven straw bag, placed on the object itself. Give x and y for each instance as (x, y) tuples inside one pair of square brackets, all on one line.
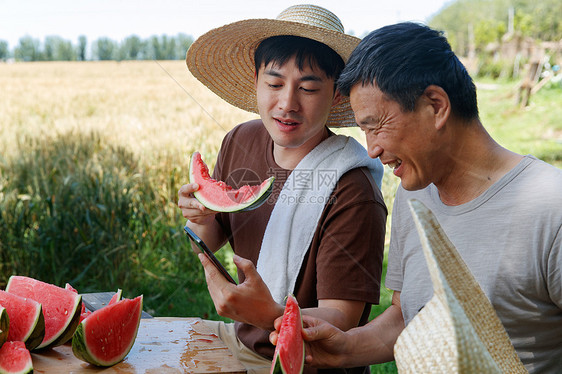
[(458, 330)]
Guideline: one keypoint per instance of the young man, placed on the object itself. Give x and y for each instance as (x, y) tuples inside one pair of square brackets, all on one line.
[(417, 106), (321, 234)]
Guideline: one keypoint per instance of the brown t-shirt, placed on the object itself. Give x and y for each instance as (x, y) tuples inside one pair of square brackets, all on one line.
[(344, 260)]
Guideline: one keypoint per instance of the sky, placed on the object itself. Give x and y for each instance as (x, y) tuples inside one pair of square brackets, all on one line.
[(118, 19)]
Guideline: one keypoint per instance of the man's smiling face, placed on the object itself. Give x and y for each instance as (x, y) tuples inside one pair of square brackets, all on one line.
[(405, 141)]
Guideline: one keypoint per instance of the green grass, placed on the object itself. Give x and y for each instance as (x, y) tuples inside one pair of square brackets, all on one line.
[(75, 207), (535, 130)]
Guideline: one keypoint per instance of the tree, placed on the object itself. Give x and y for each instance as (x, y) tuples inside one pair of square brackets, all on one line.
[(58, 49), (28, 49), (162, 47), (4, 51), (183, 44), (489, 19), (104, 49), (488, 31), (82, 43), (154, 48), (170, 51), (131, 48)]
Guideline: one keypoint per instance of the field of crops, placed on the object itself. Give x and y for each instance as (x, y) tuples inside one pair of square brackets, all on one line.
[(92, 155)]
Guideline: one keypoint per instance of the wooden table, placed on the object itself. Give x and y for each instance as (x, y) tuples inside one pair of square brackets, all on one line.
[(163, 345)]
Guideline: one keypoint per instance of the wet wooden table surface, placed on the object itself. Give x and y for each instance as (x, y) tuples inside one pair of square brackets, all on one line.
[(163, 345)]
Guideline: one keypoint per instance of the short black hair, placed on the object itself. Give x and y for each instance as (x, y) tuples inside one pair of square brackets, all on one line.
[(402, 60), (279, 49)]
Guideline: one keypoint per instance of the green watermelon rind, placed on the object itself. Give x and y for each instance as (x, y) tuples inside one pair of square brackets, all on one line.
[(277, 364), (37, 334), (4, 325), (70, 328), (26, 370), (82, 351), (56, 339), (261, 196), (277, 369), (264, 195)]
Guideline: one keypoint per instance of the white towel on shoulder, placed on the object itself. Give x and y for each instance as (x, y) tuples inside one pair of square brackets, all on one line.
[(294, 219)]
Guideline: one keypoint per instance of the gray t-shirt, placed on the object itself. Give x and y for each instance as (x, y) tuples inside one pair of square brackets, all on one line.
[(510, 238)]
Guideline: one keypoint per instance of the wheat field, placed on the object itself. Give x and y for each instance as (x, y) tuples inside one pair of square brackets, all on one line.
[(154, 108)]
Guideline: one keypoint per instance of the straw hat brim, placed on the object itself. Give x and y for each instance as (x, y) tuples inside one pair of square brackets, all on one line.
[(223, 60)]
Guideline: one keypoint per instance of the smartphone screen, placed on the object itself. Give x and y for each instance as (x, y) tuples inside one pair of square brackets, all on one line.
[(203, 247)]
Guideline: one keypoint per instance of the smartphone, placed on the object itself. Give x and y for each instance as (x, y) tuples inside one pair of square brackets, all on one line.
[(203, 247)]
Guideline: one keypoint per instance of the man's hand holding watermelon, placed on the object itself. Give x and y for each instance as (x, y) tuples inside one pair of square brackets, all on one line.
[(251, 302), (192, 208), (200, 218)]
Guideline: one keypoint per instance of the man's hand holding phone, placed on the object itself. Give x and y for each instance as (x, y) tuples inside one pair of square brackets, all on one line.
[(249, 302), (203, 247)]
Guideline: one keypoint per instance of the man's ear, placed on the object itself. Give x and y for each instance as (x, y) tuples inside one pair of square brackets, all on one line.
[(439, 101), (337, 98)]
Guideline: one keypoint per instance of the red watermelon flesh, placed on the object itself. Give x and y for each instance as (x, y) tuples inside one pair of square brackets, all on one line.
[(106, 336), (26, 319), (60, 307), (115, 298), (219, 196), (289, 351), (70, 288), (15, 358), (85, 313)]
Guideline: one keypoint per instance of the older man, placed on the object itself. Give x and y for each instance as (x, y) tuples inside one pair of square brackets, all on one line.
[(417, 106)]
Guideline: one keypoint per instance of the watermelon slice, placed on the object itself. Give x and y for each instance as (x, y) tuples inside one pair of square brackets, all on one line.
[(4, 325), (106, 336), (27, 323), (61, 308), (85, 313), (70, 288), (289, 351), (115, 298), (219, 196), (15, 359)]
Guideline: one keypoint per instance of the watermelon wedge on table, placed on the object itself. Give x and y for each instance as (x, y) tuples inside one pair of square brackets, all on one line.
[(15, 359), (27, 323), (85, 313), (289, 351), (107, 335), (4, 325), (61, 308)]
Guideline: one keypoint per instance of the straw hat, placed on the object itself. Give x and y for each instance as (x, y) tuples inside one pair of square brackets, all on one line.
[(458, 330), (223, 58)]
